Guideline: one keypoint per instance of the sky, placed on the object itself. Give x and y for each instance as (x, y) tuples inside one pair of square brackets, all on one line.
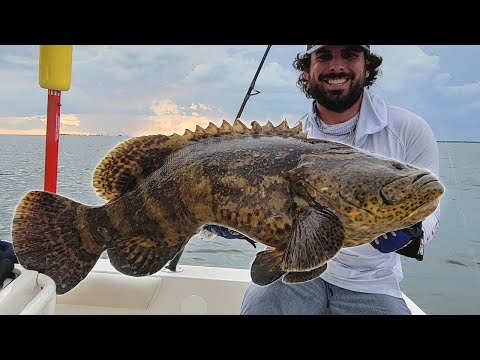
[(136, 90)]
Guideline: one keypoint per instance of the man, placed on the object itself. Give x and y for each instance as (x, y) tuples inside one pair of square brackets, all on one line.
[(363, 279)]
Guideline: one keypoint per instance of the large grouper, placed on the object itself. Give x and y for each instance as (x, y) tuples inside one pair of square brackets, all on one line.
[(303, 198)]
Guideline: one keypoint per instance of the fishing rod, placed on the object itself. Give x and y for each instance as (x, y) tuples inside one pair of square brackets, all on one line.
[(252, 85), (172, 264)]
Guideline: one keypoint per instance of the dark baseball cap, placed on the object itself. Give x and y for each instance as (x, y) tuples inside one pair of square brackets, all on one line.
[(312, 48)]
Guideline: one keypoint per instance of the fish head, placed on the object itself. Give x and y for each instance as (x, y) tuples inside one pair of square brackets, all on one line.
[(370, 194)]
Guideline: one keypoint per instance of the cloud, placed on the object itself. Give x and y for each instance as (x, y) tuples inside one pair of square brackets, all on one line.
[(165, 107), (22, 131), (23, 123), (36, 124), (277, 76), (69, 120), (463, 90), (170, 117), (134, 89), (405, 66), (474, 106)]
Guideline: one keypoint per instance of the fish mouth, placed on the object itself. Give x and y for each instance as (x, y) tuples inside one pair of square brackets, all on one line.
[(430, 190), (425, 186), (421, 196), (427, 195), (423, 211)]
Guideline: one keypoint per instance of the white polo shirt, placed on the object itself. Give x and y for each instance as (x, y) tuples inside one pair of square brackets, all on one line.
[(399, 134)]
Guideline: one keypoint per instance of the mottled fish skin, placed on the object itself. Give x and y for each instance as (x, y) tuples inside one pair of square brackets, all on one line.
[(303, 198), (370, 194)]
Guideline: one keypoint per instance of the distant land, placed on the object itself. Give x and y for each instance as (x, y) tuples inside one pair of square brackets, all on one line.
[(89, 135), (126, 135), (439, 141)]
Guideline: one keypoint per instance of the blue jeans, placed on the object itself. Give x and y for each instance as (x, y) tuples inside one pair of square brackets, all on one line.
[(317, 297)]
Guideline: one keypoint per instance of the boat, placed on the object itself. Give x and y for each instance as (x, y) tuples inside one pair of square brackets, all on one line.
[(174, 290), (188, 290)]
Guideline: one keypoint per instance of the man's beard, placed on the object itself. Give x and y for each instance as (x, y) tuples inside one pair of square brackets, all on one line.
[(332, 99)]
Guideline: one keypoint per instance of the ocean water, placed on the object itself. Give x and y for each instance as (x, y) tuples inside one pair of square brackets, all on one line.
[(446, 282)]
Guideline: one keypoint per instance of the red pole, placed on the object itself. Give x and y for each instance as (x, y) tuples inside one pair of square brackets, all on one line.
[(52, 139)]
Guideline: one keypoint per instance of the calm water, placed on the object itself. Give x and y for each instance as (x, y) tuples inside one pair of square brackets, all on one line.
[(446, 282)]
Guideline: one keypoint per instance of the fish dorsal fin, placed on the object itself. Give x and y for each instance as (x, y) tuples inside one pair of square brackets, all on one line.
[(135, 159), (268, 127), (132, 160), (225, 128), (240, 128)]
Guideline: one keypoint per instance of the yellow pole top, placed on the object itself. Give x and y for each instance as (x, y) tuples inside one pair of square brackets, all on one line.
[(55, 67)]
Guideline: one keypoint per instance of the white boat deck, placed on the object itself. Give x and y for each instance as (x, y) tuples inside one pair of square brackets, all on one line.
[(195, 290)]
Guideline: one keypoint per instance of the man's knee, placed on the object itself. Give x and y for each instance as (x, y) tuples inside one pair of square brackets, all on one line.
[(347, 302), (279, 298), (260, 300)]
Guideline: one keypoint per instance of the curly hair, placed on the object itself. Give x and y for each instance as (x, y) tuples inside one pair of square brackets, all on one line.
[(302, 64)]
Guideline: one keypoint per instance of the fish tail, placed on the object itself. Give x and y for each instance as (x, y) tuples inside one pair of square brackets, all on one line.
[(51, 234)]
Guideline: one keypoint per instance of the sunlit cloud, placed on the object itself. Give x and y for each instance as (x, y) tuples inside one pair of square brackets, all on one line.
[(22, 132), (138, 89), (36, 124), (170, 117), (70, 120), (22, 123)]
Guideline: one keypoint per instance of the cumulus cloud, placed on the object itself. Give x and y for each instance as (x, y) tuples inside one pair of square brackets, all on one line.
[(70, 120), (136, 89), (405, 66), (170, 117)]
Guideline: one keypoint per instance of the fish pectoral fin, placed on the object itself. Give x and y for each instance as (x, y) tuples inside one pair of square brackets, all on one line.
[(266, 267), (303, 276), (317, 236)]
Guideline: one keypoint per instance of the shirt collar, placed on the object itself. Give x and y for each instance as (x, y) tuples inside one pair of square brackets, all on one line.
[(372, 119)]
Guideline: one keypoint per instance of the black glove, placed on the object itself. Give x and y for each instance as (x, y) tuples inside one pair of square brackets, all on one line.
[(6, 267), (414, 249), (6, 251)]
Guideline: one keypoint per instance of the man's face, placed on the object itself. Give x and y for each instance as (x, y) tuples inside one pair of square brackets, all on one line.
[(337, 76)]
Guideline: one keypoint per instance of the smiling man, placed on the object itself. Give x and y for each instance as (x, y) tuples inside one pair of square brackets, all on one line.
[(359, 279)]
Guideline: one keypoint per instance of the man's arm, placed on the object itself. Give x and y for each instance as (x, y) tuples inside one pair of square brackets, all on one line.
[(422, 152)]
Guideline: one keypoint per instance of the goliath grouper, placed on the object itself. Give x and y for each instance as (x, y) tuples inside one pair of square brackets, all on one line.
[(303, 198)]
